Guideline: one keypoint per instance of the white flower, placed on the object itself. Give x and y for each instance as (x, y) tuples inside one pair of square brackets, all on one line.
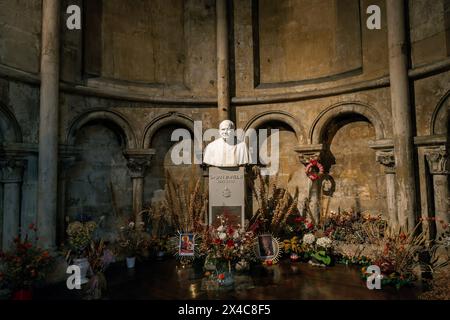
[(324, 242), (131, 225), (309, 238), (222, 235), (236, 235), (220, 229)]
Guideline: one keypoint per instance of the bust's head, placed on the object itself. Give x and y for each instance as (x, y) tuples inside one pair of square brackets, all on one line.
[(226, 130)]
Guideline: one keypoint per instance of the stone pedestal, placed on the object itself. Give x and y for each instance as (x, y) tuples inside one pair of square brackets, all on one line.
[(227, 195)]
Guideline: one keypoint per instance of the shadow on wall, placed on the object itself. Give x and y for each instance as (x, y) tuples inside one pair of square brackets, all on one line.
[(99, 184), (155, 176), (355, 180)]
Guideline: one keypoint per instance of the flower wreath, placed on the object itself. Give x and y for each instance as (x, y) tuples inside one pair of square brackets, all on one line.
[(309, 170)]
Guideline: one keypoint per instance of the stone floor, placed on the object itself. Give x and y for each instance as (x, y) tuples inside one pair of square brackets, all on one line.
[(165, 280)]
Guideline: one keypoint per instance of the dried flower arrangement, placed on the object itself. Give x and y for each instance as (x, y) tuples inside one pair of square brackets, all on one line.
[(185, 204), (400, 255), (100, 257), (79, 238), (132, 239), (277, 208)]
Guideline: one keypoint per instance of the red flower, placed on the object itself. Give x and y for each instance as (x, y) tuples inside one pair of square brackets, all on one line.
[(217, 241), (230, 243), (309, 226), (299, 219), (221, 276), (230, 231)]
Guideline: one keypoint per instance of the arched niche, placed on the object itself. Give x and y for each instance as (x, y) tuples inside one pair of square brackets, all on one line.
[(158, 136), (360, 183), (98, 185), (440, 119), (10, 130), (321, 123), (108, 118)]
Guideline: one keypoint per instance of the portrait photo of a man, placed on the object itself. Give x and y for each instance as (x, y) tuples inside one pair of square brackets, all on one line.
[(265, 246)]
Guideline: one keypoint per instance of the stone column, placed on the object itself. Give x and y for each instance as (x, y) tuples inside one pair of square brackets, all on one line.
[(401, 114), (12, 170), (223, 83), (305, 156), (387, 159), (29, 192), (48, 124), (138, 162), (68, 157), (437, 158)]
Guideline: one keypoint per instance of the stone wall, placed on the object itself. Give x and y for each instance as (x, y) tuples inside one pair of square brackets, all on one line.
[(128, 82)]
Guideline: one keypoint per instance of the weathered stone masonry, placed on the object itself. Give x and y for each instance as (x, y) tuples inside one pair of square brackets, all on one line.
[(86, 116)]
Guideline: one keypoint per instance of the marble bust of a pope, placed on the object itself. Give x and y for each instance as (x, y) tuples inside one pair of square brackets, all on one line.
[(224, 152)]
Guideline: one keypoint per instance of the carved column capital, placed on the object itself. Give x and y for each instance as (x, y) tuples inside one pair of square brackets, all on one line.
[(68, 156), (12, 169), (138, 161), (437, 158), (387, 159), (307, 153)]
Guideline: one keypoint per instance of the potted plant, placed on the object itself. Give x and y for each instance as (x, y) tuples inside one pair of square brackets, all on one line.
[(24, 266), (322, 252), (132, 241), (79, 238), (292, 248)]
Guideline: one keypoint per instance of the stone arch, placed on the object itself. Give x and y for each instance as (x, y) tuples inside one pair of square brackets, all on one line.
[(9, 127), (276, 116), (345, 108), (439, 119), (171, 118), (114, 118)]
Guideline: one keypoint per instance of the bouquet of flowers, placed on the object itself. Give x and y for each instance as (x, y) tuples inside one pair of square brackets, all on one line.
[(80, 236), (25, 265), (319, 250), (292, 245), (225, 246), (132, 239)]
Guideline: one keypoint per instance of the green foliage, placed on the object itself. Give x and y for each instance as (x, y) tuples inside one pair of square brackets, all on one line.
[(322, 256)]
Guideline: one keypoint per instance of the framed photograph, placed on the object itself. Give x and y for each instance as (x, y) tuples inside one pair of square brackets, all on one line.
[(186, 246), (266, 247)]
